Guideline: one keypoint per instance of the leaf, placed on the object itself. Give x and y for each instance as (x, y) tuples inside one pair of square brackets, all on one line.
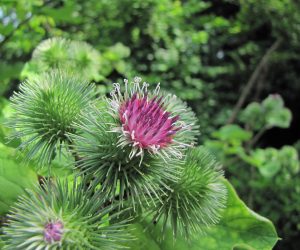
[(270, 161), (276, 115), (14, 178), (233, 134), (270, 169), (273, 102), (267, 161), (289, 158), (67, 13), (143, 239), (279, 118), (200, 37), (270, 113), (239, 228), (5, 113), (253, 116)]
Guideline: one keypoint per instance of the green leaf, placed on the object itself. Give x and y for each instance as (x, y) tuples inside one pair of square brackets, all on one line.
[(143, 239), (61, 167), (270, 113), (270, 169), (239, 228), (5, 112), (273, 102), (270, 164), (276, 115), (67, 13), (233, 134), (270, 161), (289, 158), (14, 178), (200, 37), (253, 116), (279, 118)]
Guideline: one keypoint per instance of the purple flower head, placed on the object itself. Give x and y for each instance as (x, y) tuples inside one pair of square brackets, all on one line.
[(146, 123), (53, 231), (150, 120)]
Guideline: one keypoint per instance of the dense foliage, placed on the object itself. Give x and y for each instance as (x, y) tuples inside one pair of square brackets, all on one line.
[(209, 53)]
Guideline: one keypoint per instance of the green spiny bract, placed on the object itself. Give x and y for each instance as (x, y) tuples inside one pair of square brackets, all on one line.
[(134, 141), (197, 199), (64, 216), (45, 109)]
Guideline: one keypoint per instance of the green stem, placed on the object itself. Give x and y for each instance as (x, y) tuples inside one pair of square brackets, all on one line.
[(255, 139)]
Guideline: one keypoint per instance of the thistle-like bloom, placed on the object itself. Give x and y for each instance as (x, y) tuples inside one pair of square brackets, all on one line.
[(45, 109), (109, 165), (52, 53), (151, 121), (132, 143), (195, 201), (76, 57), (62, 216)]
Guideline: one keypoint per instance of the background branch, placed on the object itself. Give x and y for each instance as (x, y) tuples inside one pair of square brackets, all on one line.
[(6, 39), (253, 80)]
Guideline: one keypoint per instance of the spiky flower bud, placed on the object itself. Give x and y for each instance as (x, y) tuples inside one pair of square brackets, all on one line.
[(52, 53), (197, 198), (60, 216), (133, 141), (45, 109), (73, 56)]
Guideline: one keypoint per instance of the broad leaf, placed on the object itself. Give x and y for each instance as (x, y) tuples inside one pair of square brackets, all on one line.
[(14, 178), (239, 228), (6, 112), (232, 133)]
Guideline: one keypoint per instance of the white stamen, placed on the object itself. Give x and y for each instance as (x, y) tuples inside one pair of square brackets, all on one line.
[(157, 89), (132, 135)]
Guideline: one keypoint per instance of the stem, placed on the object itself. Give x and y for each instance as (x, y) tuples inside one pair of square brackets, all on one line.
[(255, 139), (251, 193), (260, 83), (73, 152), (253, 79), (5, 40)]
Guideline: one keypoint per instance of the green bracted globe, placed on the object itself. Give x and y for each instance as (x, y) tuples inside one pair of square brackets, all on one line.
[(45, 109), (60, 215), (195, 201)]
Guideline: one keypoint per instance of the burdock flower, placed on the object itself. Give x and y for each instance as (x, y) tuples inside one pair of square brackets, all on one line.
[(196, 200), (131, 143), (151, 121), (62, 216), (77, 57), (45, 109)]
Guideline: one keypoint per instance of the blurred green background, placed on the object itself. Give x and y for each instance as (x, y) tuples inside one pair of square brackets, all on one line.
[(235, 62)]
